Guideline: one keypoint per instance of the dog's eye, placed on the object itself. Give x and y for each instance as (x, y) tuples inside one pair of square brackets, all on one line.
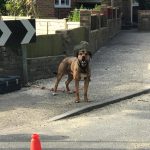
[(80, 53)]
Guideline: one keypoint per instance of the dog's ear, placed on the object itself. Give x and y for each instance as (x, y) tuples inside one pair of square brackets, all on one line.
[(90, 54)]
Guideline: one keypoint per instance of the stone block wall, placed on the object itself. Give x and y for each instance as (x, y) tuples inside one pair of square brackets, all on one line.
[(44, 55), (85, 18), (10, 61), (43, 67)]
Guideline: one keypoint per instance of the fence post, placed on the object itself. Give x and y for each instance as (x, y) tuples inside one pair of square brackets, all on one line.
[(65, 23), (47, 26), (85, 19), (24, 63)]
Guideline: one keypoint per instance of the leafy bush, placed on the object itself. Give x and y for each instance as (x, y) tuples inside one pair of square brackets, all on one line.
[(21, 8), (97, 7), (15, 7), (2, 7), (74, 15)]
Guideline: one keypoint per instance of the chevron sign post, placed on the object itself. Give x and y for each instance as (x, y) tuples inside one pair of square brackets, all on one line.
[(17, 32)]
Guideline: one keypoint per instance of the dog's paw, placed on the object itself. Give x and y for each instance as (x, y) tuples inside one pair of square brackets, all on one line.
[(52, 89), (70, 92), (54, 94)]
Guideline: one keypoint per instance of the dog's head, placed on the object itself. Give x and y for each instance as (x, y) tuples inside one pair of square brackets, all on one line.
[(84, 57)]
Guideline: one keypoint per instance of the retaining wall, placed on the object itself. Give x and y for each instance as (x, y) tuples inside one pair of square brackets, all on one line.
[(44, 56), (144, 20)]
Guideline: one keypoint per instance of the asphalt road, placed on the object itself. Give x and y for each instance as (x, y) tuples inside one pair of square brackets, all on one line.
[(120, 126), (119, 68)]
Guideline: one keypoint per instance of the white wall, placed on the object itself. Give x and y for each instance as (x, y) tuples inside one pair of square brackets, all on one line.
[(46, 26)]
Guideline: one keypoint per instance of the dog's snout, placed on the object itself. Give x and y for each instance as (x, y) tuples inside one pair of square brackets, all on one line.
[(83, 58)]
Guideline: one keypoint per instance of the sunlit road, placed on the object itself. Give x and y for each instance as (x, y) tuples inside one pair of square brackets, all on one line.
[(120, 126)]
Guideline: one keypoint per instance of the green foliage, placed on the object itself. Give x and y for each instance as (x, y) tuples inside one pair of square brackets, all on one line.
[(74, 15), (82, 7), (16, 7), (21, 7), (97, 7), (2, 7)]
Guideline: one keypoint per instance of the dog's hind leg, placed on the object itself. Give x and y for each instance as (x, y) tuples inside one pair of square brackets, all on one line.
[(61, 71), (59, 76), (70, 78)]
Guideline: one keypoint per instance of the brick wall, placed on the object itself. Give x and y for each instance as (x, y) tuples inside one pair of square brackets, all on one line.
[(46, 9), (62, 12)]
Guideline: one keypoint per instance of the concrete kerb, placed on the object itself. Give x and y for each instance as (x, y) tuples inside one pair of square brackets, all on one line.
[(97, 105)]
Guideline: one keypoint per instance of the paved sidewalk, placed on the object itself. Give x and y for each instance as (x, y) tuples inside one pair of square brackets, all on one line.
[(119, 69)]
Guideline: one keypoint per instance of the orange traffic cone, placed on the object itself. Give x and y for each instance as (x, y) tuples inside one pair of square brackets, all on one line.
[(35, 142)]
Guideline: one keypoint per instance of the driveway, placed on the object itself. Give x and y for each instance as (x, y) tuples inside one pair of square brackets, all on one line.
[(120, 68)]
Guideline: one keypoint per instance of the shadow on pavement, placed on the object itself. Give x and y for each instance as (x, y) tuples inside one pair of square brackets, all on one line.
[(27, 138)]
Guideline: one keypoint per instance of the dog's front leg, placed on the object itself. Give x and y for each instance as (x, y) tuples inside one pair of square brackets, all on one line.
[(77, 91), (86, 85)]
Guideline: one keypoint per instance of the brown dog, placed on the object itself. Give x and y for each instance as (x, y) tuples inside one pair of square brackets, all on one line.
[(76, 68)]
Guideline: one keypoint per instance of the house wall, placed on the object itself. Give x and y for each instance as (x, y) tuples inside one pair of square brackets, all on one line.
[(64, 12), (46, 9)]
